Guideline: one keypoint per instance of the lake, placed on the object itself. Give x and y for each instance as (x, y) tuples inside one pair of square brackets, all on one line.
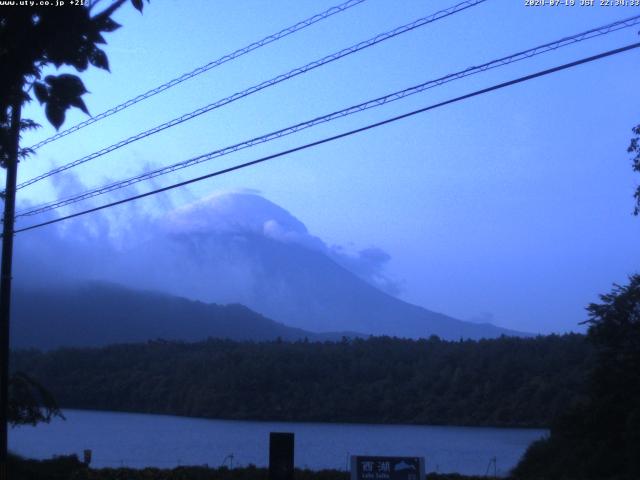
[(138, 440)]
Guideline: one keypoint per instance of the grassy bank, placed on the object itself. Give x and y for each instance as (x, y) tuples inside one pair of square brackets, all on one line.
[(70, 468)]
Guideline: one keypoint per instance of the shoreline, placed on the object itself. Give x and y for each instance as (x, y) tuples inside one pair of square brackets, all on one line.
[(309, 422)]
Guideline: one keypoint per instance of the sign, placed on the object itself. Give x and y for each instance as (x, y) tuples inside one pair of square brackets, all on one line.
[(281, 456), (387, 468)]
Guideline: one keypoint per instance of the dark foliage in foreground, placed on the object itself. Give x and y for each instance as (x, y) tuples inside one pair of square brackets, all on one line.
[(29, 402), (69, 468), (37, 36), (501, 382), (600, 438), (634, 148)]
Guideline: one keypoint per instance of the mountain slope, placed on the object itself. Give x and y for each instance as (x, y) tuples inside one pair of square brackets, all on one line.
[(97, 314), (240, 247), (306, 289), (233, 248)]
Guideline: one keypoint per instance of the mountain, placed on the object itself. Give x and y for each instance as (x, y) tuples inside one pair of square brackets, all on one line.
[(240, 247), (228, 248), (307, 289), (98, 314)]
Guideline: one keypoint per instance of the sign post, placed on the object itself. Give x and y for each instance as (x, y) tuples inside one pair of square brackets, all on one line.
[(281, 447), (387, 468)]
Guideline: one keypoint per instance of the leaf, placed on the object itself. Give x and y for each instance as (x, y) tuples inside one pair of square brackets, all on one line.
[(99, 39), (79, 103), (65, 86), (81, 62), (107, 25), (24, 96), (28, 124), (137, 4), (41, 92), (99, 59), (24, 153), (55, 114), (65, 91)]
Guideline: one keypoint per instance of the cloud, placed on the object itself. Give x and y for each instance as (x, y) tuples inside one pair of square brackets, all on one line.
[(187, 251), (369, 264), (240, 212), (247, 212)]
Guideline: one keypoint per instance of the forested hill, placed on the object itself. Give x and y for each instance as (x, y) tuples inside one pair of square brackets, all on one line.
[(96, 314), (500, 382)]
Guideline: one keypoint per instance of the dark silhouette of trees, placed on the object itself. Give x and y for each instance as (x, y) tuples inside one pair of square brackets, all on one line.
[(501, 382), (29, 402), (600, 439), (634, 147), (36, 37), (32, 39)]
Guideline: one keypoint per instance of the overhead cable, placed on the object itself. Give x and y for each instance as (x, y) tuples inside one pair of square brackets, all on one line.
[(261, 86), (595, 32), (202, 69), (338, 136)]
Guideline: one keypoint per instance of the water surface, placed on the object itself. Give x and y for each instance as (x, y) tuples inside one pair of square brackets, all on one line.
[(137, 440)]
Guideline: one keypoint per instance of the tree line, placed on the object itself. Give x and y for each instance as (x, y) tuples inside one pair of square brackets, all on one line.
[(514, 382)]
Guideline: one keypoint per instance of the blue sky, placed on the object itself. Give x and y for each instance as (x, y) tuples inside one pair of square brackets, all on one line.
[(513, 207)]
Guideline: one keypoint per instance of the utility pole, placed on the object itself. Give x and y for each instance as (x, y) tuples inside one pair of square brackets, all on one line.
[(5, 277)]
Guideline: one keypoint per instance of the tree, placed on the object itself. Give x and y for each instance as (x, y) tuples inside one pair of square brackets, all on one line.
[(600, 439), (614, 329), (29, 402), (32, 39), (37, 37), (634, 147)]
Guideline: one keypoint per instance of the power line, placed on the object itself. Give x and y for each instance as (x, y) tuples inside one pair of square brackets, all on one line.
[(595, 32), (204, 68), (339, 136), (261, 86)]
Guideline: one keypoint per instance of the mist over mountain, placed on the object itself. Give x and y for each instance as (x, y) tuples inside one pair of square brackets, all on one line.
[(239, 248)]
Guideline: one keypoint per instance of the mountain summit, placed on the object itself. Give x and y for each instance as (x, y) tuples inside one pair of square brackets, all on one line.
[(240, 248)]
